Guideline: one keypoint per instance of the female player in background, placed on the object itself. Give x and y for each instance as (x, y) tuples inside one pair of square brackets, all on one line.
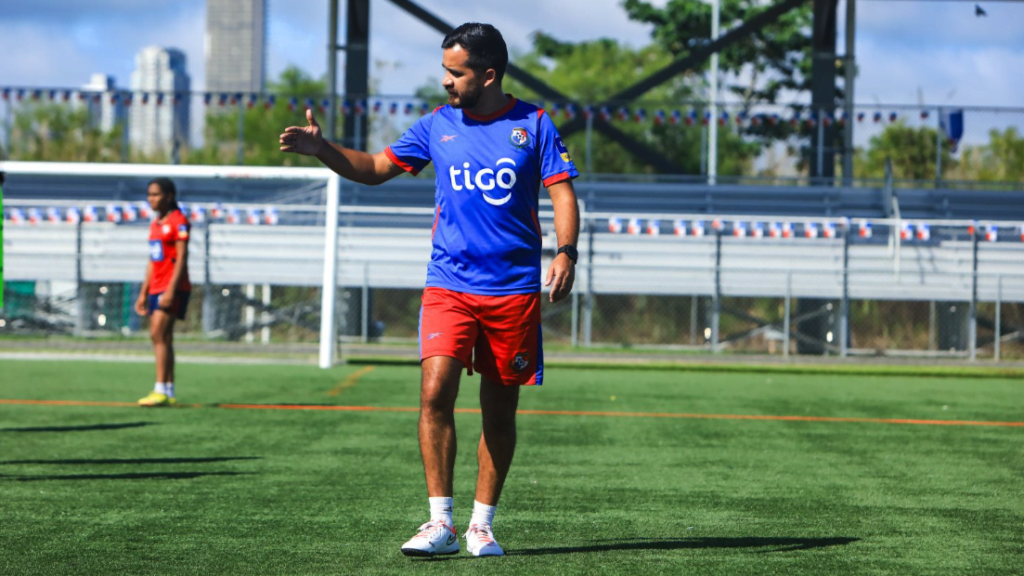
[(166, 288)]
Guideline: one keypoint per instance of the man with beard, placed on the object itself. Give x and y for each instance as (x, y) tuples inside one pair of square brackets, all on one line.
[(481, 305)]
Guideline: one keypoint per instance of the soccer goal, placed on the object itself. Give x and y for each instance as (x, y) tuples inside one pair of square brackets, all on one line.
[(76, 249)]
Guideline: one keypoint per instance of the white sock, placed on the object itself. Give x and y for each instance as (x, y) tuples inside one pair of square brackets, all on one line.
[(482, 514), (160, 388), (441, 509), (169, 387)]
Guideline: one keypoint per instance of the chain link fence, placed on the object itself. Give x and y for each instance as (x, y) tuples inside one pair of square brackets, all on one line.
[(954, 295), (759, 141)]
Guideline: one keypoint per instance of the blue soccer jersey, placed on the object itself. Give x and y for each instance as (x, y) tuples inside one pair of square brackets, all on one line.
[(486, 236)]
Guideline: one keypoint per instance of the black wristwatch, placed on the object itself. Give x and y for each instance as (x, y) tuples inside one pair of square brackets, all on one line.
[(570, 251)]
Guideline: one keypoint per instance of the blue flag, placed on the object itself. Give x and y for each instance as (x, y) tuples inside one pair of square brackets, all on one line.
[(952, 124)]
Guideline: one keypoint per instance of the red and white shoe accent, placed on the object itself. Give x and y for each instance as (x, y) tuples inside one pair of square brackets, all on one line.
[(434, 539), (480, 541)]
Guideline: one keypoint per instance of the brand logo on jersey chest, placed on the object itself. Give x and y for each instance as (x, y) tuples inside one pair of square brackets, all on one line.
[(519, 138), (486, 180)]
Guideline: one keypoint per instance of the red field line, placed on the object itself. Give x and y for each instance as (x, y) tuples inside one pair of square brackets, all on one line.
[(541, 413)]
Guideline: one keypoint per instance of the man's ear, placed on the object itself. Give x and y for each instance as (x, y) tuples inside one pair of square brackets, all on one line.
[(490, 77)]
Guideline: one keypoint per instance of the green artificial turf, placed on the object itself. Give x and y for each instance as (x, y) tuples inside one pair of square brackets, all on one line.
[(211, 490)]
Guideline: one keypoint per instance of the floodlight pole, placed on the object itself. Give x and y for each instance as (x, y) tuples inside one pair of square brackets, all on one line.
[(357, 68), (241, 132), (208, 310), (823, 89), (716, 302), (332, 70), (851, 67), (844, 313), (590, 146), (328, 320), (713, 124), (786, 321), (938, 148), (999, 318), (972, 335)]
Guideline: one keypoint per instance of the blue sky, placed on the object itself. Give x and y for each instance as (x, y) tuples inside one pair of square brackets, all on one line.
[(936, 48)]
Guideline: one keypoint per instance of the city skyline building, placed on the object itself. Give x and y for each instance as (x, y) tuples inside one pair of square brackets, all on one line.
[(159, 125), (108, 112), (235, 45)]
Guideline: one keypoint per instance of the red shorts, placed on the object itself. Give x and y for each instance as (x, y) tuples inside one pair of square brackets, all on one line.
[(498, 336)]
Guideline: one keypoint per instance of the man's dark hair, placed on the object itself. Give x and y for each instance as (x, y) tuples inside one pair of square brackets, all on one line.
[(484, 44), (166, 186)]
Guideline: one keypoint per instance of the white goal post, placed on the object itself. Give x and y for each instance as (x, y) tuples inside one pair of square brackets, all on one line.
[(331, 181)]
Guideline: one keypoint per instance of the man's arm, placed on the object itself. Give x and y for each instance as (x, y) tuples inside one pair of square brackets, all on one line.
[(562, 272), (355, 165)]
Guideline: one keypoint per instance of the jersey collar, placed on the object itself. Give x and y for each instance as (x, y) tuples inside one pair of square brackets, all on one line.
[(512, 101)]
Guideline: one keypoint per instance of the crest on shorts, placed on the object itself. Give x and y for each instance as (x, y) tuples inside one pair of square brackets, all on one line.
[(519, 138), (520, 362)]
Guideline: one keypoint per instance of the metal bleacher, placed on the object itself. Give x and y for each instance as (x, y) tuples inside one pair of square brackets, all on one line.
[(384, 238)]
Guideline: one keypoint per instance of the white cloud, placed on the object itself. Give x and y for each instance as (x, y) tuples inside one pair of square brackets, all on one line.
[(300, 37), (64, 11), (901, 45), (66, 54), (40, 60)]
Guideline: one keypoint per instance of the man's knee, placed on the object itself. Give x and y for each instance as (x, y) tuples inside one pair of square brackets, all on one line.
[(436, 401), (438, 391)]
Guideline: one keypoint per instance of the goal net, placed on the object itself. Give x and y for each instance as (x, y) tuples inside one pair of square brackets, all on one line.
[(263, 259)]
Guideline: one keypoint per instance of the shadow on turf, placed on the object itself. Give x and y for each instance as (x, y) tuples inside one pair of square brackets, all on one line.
[(127, 476), (84, 428), (779, 545), (133, 460)]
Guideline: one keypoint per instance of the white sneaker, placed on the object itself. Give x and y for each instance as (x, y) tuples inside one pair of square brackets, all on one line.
[(480, 541), (435, 538)]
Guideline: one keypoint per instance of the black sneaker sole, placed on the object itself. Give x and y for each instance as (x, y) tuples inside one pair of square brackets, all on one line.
[(415, 552)]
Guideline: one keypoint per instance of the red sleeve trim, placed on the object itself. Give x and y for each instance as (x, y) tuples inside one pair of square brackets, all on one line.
[(540, 112), (399, 162), (436, 109), (560, 177)]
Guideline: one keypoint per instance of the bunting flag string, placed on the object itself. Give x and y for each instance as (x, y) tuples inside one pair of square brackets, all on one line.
[(797, 117), (809, 230), (131, 212)]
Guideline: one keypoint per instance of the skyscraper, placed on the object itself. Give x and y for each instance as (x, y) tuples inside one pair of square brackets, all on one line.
[(154, 125), (106, 113), (236, 32)]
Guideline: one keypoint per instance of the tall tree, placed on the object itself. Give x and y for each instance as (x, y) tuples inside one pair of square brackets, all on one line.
[(775, 58), (60, 133), (592, 71), (912, 151), (261, 127), (757, 69), (1001, 160)]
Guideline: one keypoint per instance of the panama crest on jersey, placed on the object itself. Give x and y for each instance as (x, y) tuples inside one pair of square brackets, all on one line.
[(519, 138), (520, 362)]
